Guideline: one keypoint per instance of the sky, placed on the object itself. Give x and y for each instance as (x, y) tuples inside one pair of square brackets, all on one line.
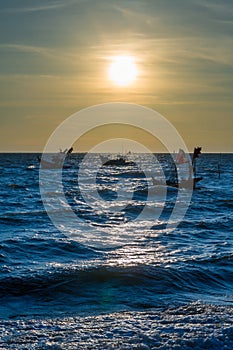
[(55, 55)]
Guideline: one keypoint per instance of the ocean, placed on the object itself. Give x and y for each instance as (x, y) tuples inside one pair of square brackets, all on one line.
[(94, 270)]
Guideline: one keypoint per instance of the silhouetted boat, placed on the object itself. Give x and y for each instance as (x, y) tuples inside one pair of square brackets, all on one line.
[(119, 161), (191, 180), (55, 161)]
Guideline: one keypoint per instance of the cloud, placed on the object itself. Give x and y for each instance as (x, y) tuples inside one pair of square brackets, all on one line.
[(52, 6), (60, 55), (26, 48), (224, 7)]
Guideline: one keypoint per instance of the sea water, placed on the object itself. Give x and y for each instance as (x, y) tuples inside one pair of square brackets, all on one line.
[(139, 285)]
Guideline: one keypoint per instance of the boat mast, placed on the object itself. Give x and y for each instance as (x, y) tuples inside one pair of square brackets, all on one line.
[(196, 153)]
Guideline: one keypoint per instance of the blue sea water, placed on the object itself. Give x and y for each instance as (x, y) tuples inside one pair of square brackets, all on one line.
[(155, 289)]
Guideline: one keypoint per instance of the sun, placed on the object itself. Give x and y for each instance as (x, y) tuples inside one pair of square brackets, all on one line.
[(123, 70)]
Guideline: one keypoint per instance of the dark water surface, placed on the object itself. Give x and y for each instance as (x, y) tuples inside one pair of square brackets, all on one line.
[(158, 289)]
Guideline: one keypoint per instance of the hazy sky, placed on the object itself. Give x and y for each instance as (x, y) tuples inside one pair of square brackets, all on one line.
[(54, 59)]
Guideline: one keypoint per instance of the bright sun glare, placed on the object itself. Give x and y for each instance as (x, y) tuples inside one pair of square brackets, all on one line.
[(123, 70)]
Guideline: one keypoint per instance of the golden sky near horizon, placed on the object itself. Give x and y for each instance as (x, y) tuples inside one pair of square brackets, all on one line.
[(56, 59)]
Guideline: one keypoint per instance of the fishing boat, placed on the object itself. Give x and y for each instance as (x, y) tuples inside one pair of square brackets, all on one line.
[(191, 178), (118, 161), (55, 161)]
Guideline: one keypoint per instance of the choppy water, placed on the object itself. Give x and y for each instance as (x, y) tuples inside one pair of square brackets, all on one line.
[(151, 288)]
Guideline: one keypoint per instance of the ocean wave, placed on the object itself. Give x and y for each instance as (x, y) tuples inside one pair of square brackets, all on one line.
[(142, 280)]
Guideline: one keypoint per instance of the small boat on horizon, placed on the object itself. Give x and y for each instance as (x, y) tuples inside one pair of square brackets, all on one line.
[(120, 160), (55, 161)]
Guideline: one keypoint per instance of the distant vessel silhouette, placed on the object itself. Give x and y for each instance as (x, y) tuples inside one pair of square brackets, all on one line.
[(120, 160), (55, 161)]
